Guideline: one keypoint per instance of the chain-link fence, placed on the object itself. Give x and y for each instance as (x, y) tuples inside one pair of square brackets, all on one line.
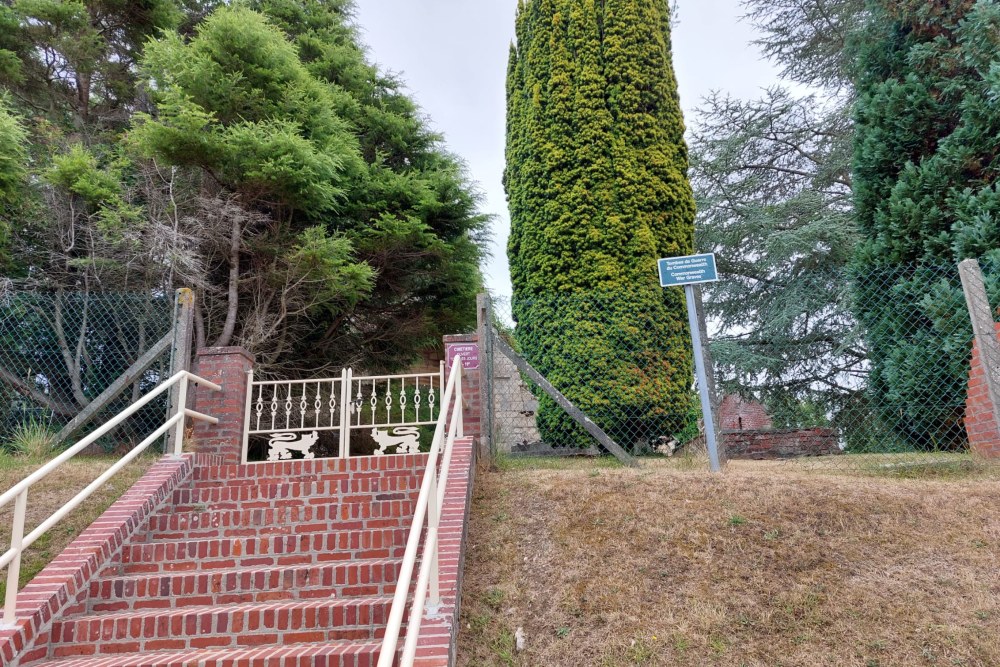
[(854, 370), (873, 374), (59, 351), (625, 364)]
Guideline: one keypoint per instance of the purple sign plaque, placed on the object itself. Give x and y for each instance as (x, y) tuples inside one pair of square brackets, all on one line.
[(468, 351)]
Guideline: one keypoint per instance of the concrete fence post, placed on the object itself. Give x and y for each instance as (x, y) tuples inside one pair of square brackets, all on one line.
[(180, 352), (483, 329)]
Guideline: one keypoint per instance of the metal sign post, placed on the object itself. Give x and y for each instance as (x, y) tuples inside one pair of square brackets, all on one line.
[(688, 272)]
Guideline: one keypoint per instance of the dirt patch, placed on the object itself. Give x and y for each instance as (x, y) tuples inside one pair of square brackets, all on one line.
[(52, 493), (761, 566)]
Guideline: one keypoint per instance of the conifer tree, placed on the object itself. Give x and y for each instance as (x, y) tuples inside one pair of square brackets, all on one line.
[(597, 186), (926, 178), (772, 178), (248, 150), (13, 175)]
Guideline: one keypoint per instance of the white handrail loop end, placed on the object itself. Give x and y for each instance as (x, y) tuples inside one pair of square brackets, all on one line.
[(201, 382)]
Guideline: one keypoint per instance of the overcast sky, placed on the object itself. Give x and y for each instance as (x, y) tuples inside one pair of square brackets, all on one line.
[(452, 54)]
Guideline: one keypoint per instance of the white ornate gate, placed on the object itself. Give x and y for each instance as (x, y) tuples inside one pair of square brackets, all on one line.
[(293, 413)]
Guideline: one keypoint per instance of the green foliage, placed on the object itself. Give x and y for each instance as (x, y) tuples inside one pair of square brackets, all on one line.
[(926, 160), (240, 104), (807, 39), (13, 174), (247, 150), (597, 186), (13, 155), (327, 261), (773, 182), (74, 60), (78, 172), (411, 212), (772, 177)]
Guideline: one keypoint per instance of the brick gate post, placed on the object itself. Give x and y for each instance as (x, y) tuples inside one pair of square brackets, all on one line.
[(471, 386), (982, 411), (229, 368)]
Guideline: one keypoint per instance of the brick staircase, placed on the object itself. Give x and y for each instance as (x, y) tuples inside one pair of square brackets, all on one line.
[(207, 563), (277, 564)]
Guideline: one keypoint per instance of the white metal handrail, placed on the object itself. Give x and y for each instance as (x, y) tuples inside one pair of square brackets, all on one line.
[(19, 492), (429, 506)]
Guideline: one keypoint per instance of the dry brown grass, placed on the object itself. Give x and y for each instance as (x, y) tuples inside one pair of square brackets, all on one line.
[(52, 493), (762, 566)]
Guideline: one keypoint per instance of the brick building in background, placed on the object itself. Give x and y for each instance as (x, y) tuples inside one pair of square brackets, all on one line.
[(739, 414)]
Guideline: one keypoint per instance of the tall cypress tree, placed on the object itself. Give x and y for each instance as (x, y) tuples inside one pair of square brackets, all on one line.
[(597, 186), (926, 167)]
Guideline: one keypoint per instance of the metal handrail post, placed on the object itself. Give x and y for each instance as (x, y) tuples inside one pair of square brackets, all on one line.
[(247, 407), (433, 523), (14, 570), (443, 382), (387, 653), (181, 407), (345, 450), (460, 403), (11, 558)]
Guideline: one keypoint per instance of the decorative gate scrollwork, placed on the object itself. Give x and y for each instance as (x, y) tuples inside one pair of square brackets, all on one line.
[(293, 414)]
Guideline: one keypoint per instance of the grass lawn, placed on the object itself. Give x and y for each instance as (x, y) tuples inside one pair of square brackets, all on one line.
[(52, 493), (764, 566)]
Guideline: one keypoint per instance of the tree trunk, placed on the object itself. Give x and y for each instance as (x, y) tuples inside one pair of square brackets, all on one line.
[(226, 337)]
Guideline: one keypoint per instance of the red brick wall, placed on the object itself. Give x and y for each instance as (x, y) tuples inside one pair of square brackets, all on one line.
[(980, 423), (228, 367), (439, 636), (471, 390), (768, 444)]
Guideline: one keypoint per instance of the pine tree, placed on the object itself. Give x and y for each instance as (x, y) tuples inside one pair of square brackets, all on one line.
[(247, 150), (927, 172), (13, 175), (772, 178), (597, 185)]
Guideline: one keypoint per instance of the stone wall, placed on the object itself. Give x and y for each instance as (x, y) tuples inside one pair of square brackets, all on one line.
[(514, 407)]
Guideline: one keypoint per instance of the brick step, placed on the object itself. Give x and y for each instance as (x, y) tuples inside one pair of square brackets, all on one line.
[(340, 654), (284, 550), (291, 502), (277, 521), (232, 626), (355, 479), (302, 470), (360, 488), (346, 579), (296, 501)]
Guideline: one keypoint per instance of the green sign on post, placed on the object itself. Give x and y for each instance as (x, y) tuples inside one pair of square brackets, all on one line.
[(687, 272)]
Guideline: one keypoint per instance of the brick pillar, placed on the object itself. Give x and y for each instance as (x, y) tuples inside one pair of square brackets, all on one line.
[(471, 381), (228, 367), (980, 423)]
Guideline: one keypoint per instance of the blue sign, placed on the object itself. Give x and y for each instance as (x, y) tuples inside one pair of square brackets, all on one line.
[(688, 270)]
